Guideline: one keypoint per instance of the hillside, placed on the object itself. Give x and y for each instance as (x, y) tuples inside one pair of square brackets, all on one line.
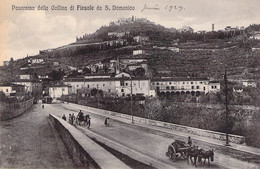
[(199, 55)]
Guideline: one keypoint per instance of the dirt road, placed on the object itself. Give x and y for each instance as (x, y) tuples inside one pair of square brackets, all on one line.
[(29, 141)]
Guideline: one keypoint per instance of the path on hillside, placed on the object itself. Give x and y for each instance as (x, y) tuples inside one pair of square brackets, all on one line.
[(29, 141), (148, 142)]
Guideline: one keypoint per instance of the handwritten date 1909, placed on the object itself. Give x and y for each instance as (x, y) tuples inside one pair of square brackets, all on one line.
[(167, 7)]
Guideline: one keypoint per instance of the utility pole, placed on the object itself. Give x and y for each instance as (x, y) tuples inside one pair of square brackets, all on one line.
[(227, 110)]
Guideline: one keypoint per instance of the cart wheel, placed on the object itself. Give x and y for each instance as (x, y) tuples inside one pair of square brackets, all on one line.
[(172, 155)]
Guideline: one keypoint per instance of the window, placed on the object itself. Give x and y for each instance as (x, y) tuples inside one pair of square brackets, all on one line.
[(88, 86), (6, 90), (157, 83), (212, 87), (172, 87), (191, 82), (103, 84), (122, 90), (182, 87), (170, 82), (77, 85), (188, 82), (192, 87), (122, 84), (183, 82), (157, 88), (152, 83), (198, 87), (204, 88), (167, 87), (126, 84)]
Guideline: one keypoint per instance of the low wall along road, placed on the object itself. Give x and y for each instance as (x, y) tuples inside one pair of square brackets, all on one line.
[(11, 110), (85, 152), (196, 131)]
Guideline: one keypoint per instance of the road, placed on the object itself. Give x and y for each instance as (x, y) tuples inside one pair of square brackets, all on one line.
[(148, 142), (29, 141)]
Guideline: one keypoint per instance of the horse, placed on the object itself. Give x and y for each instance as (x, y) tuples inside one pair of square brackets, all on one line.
[(80, 118), (193, 152), (206, 155)]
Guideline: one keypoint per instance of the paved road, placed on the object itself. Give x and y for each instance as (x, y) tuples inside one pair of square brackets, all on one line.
[(148, 142), (29, 141)]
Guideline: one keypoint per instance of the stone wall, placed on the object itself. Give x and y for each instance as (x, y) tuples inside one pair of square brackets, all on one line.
[(84, 151), (11, 110), (196, 131)]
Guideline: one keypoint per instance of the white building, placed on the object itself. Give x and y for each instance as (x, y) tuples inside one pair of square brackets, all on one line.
[(121, 85), (214, 86), (32, 86), (26, 76), (9, 89), (249, 83), (138, 52), (59, 90), (172, 86)]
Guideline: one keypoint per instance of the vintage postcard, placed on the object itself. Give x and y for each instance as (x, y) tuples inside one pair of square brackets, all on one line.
[(117, 84)]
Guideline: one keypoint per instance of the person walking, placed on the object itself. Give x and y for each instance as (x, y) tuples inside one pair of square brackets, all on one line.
[(42, 106), (64, 117), (89, 122), (189, 141), (72, 118)]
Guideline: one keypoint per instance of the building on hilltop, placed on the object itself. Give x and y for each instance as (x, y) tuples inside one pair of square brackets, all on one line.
[(141, 39), (185, 29)]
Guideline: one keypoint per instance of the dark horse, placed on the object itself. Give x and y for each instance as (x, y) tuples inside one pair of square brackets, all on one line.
[(193, 152), (206, 155), (80, 118)]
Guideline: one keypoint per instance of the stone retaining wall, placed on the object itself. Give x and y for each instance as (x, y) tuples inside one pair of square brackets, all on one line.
[(11, 110), (84, 151), (196, 131)]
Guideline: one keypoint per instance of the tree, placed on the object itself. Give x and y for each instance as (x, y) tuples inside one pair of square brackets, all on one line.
[(153, 108), (139, 72), (93, 92)]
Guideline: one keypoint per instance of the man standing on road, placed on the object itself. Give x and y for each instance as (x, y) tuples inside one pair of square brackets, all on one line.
[(189, 141), (43, 106)]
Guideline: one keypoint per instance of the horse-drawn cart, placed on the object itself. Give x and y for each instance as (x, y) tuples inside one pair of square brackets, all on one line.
[(177, 150)]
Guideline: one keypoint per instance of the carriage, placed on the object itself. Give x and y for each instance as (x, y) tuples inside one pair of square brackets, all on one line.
[(177, 150)]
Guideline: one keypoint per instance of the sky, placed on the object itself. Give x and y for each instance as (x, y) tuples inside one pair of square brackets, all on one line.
[(24, 32)]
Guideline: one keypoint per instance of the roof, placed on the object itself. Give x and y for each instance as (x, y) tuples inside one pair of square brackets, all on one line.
[(28, 80), (179, 79), (10, 84), (63, 85), (102, 79)]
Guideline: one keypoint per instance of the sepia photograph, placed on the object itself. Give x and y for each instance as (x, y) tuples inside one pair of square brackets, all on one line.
[(129, 84)]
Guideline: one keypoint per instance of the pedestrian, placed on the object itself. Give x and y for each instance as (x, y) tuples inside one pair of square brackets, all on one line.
[(43, 106), (72, 118), (89, 122), (189, 141), (64, 117), (106, 122)]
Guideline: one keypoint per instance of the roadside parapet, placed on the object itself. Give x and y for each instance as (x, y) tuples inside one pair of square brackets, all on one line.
[(196, 131), (85, 152)]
